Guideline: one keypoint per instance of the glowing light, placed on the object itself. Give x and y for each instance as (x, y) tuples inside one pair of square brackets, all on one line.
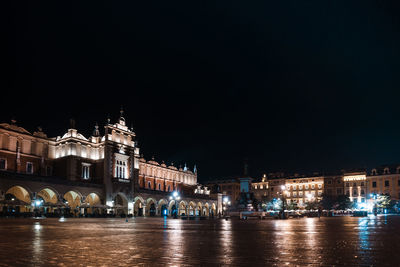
[(283, 187), (355, 177), (175, 194), (37, 202)]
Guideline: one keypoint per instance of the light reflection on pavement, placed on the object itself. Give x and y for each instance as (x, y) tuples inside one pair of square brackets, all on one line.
[(368, 241)]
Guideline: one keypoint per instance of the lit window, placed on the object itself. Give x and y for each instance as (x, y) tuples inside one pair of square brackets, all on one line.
[(3, 164), (306, 186), (294, 187), (300, 187), (300, 193), (261, 186), (319, 186), (313, 186), (121, 169), (29, 167), (294, 194), (85, 171)]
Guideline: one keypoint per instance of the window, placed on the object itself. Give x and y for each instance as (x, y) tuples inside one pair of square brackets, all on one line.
[(319, 186), (169, 189), (306, 186), (255, 187), (347, 193), (347, 184), (300, 194), (339, 191), (338, 181), (362, 191), (362, 183), (29, 167), (354, 184), (288, 194), (386, 183), (313, 186), (319, 193), (261, 186), (149, 185), (3, 164), (354, 192), (300, 187), (294, 194), (329, 181), (159, 186), (85, 171), (373, 184), (121, 169), (295, 187)]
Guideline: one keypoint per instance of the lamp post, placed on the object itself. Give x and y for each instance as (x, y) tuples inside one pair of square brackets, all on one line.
[(175, 196), (225, 202)]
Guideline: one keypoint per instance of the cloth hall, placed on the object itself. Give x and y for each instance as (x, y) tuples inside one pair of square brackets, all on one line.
[(96, 175)]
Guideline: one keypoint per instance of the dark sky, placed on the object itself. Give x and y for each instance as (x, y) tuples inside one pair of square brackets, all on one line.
[(289, 85)]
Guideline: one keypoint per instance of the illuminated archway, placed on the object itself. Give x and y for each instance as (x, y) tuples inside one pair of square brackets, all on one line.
[(151, 207), (192, 208), (19, 198), (73, 199), (198, 209), (48, 195), (206, 210), (120, 204), (163, 207), (138, 207), (182, 208)]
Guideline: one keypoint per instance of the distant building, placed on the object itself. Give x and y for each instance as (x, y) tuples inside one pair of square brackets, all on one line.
[(301, 190), (228, 187), (384, 180), (356, 186)]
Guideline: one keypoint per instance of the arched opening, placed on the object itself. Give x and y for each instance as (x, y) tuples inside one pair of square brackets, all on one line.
[(182, 208), (138, 207), (163, 207), (17, 200), (72, 199), (120, 205), (48, 203), (192, 208), (92, 205), (173, 208), (206, 210), (213, 210), (198, 209), (151, 208)]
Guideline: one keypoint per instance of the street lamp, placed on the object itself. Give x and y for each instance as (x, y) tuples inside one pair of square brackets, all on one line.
[(175, 196), (225, 202)]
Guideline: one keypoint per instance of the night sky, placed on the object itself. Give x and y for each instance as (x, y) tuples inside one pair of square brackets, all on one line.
[(288, 85)]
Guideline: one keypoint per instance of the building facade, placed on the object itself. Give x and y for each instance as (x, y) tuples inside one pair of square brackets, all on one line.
[(384, 180), (102, 172)]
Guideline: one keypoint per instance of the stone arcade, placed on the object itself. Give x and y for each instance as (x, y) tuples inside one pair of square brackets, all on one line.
[(100, 174)]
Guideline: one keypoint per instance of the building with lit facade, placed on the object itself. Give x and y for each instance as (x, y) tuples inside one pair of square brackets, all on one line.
[(99, 173), (384, 180), (356, 186), (301, 190)]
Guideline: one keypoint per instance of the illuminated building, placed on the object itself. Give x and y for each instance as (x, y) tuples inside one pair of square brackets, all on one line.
[(356, 186), (227, 187), (102, 172), (384, 180), (301, 190)]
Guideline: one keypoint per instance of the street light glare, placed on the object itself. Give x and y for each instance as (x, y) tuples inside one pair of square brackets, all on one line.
[(175, 194), (283, 187)]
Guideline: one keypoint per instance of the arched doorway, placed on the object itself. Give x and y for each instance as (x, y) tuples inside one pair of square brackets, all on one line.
[(192, 208), (198, 209), (173, 208), (151, 208), (120, 205), (138, 207), (163, 207), (17, 200), (206, 210), (93, 204), (72, 199), (213, 210), (48, 199), (182, 208)]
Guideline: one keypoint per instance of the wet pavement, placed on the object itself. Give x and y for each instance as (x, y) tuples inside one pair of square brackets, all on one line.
[(336, 241)]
